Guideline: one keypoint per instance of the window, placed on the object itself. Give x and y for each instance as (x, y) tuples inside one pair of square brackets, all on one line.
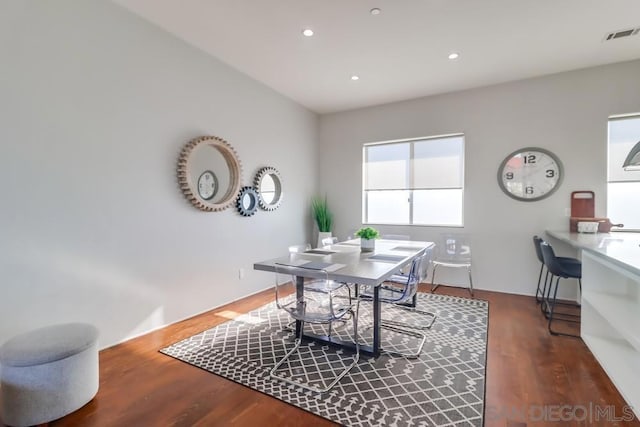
[(418, 181), (623, 187)]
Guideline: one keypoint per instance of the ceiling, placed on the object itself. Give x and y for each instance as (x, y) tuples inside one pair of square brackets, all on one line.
[(401, 53)]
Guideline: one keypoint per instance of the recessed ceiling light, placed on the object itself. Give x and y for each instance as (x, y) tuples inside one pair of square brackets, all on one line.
[(354, 77), (454, 55), (375, 11), (307, 32)]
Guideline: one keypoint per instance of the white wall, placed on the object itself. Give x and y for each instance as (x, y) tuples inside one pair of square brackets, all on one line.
[(565, 113), (95, 106)]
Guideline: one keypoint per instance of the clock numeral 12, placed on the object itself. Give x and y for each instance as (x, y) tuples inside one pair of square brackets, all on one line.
[(531, 158)]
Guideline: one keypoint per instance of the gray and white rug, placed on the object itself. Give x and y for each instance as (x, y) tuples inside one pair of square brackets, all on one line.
[(444, 387)]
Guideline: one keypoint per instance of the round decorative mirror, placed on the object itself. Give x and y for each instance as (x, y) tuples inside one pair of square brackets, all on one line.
[(209, 173), (269, 185), (247, 201)]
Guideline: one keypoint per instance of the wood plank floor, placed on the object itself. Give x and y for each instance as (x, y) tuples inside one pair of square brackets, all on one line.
[(527, 368)]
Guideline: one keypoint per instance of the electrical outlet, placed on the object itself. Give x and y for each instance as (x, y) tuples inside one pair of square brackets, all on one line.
[(241, 273), (567, 212)]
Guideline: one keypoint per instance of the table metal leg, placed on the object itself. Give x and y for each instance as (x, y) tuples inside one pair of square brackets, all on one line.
[(299, 295), (377, 321)]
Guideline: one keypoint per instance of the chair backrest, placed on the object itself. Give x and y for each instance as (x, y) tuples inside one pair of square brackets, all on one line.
[(454, 247), (424, 267), (285, 289), (329, 241), (396, 237), (536, 244), (550, 260), (414, 276), (299, 248)]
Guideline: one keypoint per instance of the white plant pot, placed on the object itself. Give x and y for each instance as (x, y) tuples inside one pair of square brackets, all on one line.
[(367, 245), (321, 236)]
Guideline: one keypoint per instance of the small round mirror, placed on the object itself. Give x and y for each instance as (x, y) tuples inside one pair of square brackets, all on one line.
[(269, 185), (247, 203)]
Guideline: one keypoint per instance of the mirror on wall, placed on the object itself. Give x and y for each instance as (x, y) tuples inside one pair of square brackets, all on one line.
[(209, 173), (268, 182), (247, 202)]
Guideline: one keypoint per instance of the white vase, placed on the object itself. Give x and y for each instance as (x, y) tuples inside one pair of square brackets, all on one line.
[(321, 236), (367, 245)]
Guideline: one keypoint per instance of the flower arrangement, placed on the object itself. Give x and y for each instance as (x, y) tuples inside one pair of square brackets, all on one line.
[(368, 233)]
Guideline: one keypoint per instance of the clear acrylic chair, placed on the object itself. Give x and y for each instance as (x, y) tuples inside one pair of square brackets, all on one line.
[(396, 237), (316, 305), (400, 290), (296, 249), (329, 241), (453, 251)]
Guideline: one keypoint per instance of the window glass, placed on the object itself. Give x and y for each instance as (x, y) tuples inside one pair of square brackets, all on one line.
[(414, 182), (388, 207), (387, 166), (437, 163), (623, 135), (448, 211), (623, 189)]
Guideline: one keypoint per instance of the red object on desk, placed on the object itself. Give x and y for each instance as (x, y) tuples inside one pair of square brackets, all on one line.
[(583, 204)]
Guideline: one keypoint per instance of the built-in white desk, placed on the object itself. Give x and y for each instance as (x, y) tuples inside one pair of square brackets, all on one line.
[(610, 324)]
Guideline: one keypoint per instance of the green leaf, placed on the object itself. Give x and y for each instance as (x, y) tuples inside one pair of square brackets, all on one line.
[(368, 233), (321, 214)]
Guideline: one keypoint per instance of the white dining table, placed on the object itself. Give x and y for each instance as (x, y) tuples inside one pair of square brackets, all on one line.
[(345, 262)]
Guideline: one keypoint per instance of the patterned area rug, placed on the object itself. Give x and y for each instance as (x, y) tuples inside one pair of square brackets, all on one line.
[(443, 387)]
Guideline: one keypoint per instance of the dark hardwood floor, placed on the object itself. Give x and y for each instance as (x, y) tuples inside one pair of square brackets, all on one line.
[(528, 371)]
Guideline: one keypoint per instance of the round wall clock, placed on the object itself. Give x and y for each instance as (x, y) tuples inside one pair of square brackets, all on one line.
[(207, 185), (530, 174)]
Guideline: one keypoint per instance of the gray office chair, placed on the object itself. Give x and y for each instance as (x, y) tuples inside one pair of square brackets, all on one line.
[(315, 305), (452, 251)]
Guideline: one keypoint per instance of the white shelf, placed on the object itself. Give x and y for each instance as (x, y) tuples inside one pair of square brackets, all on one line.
[(621, 363), (621, 313), (610, 324)]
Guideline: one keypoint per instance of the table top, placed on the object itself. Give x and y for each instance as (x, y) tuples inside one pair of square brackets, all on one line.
[(621, 248), (345, 262)]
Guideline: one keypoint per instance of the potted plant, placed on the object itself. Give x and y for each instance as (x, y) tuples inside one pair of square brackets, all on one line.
[(323, 218), (367, 238)]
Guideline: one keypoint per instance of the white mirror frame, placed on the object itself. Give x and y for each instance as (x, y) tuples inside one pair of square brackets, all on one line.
[(277, 179), (190, 188)]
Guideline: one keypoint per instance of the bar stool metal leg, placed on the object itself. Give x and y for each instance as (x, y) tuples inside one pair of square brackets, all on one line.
[(551, 312)]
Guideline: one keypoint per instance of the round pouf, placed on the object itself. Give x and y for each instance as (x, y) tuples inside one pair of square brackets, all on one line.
[(48, 373)]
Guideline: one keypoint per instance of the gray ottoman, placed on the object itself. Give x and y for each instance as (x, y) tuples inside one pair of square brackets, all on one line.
[(48, 373)]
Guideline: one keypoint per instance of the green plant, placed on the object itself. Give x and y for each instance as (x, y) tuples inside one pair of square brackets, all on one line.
[(321, 214), (368, 233)]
